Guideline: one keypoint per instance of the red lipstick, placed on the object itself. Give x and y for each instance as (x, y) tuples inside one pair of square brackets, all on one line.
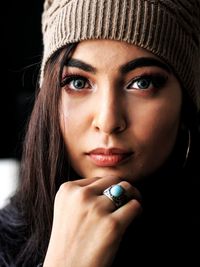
[(103, 157)]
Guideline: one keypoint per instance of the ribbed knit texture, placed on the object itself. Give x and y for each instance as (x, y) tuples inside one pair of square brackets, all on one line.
[(168, 28)]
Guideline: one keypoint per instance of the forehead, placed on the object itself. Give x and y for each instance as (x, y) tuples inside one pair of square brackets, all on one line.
[(108, 53)]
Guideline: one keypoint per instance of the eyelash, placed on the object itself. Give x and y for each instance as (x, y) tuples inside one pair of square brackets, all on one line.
[(68, 79), (156, 81)]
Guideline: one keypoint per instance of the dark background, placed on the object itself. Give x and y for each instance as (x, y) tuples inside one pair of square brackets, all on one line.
[(21, 50)]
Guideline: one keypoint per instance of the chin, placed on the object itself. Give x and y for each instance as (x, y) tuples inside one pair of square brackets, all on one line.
[(103, 172)]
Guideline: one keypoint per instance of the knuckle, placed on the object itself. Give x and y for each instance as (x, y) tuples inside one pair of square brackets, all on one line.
[(126, 183), (64, 190), (65, 187), (72, 191)]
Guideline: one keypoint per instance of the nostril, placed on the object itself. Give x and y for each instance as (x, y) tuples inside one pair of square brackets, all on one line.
[(110, 116), (109, 126)]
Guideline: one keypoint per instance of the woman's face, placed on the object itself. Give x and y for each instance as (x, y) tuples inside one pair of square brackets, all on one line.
[(119, 110)]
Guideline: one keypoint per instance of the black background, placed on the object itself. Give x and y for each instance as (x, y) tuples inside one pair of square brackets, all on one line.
[(21, 51)]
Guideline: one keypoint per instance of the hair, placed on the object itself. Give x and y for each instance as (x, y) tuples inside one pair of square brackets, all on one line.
[(44, 165), (44, 161)]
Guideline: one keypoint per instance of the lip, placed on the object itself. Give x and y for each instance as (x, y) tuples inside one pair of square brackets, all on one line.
[(103, 157)]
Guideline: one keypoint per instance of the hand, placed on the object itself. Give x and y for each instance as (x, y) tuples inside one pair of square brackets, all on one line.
[(87, 227)]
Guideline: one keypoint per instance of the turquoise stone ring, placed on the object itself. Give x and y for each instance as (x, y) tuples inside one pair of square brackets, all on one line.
[(116, 190), (117, 194)]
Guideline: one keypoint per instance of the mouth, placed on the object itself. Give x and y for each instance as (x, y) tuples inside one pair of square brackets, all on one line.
[(102, 157)]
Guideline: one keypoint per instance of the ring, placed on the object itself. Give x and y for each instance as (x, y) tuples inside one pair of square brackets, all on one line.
[(117, 194)]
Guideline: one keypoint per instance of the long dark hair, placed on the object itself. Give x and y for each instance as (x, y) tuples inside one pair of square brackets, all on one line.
[(44, 162)]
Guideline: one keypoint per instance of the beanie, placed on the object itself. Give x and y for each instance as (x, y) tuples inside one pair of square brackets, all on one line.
[(169, 29)]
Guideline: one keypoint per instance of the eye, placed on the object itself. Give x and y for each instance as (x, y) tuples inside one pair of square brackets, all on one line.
[(147, 82), (76, 83)]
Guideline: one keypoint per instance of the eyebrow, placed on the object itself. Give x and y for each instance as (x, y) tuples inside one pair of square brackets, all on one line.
[(124, 69), (144, 62), (76, 63)]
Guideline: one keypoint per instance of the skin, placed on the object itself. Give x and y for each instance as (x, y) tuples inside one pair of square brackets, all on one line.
[(108, 112), (134, 120)]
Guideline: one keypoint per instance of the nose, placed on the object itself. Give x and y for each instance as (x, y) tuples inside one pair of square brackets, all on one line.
[(110, 116)]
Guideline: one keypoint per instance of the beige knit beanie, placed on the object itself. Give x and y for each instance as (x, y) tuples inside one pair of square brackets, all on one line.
[(168, 28)]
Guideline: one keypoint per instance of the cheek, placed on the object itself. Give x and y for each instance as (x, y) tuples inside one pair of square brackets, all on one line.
[(161, 116), (70, 125), (157, 125), (66, 119), (69, 116), (155, 130), (74, 123), (70, 128)]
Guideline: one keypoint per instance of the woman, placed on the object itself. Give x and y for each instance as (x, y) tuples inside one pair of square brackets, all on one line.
[(110, 163)]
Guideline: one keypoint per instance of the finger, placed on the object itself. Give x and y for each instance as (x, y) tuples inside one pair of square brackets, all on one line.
[(79, 183), (101, 184), (86, 181), (104, 181), (130, 192), (127, 213)]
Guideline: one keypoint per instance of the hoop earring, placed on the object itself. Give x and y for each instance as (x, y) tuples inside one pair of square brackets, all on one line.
[(188, 148)]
